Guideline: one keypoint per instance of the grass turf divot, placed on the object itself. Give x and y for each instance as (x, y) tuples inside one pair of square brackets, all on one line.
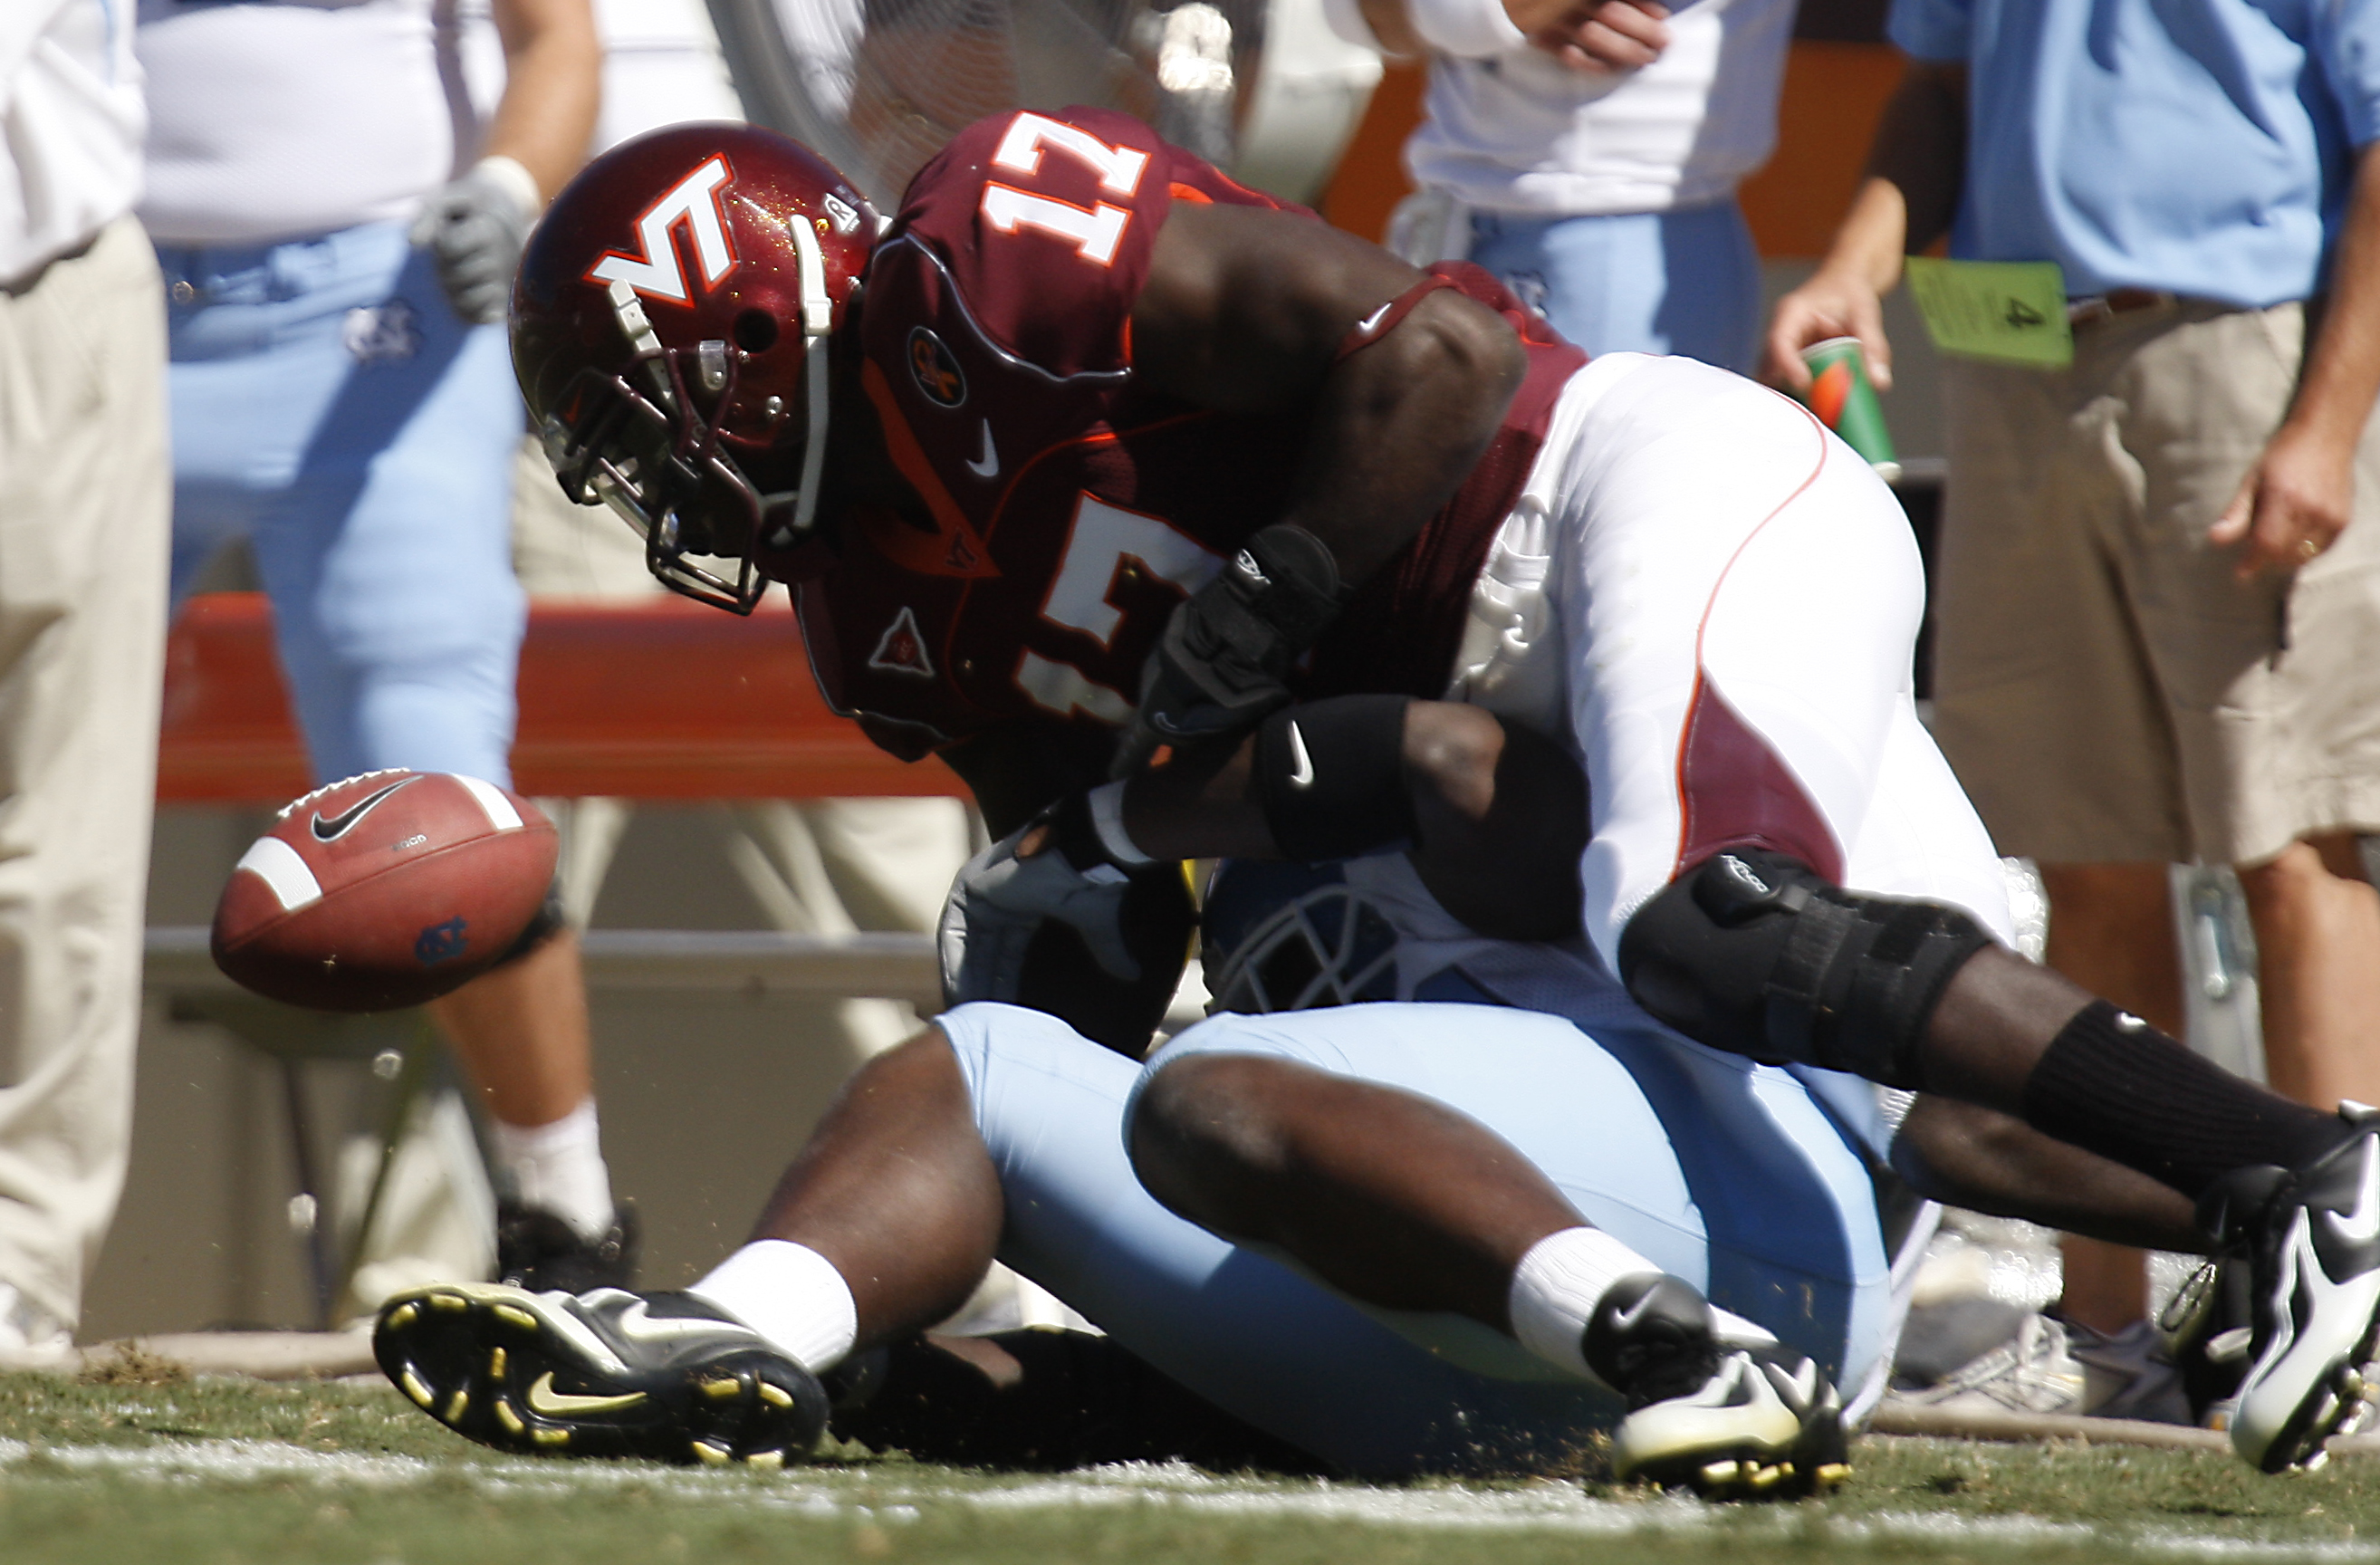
[(219, 1470)]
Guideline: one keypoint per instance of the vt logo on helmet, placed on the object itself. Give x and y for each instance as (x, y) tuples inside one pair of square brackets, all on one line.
[(669, 330)]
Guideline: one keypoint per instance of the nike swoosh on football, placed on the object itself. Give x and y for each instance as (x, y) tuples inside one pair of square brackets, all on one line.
[(543, 1398), (1301, 773), (339, 825), (988, 466)]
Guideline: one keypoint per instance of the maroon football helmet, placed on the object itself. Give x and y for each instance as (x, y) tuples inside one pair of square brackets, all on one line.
[(669, 328)]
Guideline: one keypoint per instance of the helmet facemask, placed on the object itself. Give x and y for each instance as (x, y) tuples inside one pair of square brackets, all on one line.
[(657, 445)]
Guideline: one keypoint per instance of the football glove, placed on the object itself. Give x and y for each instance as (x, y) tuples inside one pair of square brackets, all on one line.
[(1222, 664), (1024, 914), (474, 230)]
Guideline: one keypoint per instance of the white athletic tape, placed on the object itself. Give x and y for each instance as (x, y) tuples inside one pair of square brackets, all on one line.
[(279, 865), (500, 811)]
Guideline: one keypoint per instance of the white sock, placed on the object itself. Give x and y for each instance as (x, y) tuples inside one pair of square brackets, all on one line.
[(558, 1168), (1557, 1286), (790, 1294)]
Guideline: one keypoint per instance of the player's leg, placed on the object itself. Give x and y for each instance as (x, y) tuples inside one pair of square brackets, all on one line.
[(1756, 947), (1370, 1145), (399, 622), (1000, 1126)]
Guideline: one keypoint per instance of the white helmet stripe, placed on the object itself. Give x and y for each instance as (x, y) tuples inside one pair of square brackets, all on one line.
[(818, 320)]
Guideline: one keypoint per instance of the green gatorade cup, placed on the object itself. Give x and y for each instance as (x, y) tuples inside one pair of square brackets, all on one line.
[(1844, 400)]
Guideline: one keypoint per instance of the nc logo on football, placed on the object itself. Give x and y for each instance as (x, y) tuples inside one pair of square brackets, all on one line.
[(440, 943)]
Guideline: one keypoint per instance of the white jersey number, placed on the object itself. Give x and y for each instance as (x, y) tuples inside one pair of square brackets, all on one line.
[(1102, 543), (1095, 231)]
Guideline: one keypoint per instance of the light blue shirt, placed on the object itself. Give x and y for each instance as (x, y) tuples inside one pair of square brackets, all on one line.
[(2199, 146)]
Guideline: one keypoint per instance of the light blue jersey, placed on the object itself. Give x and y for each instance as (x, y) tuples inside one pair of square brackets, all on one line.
[(2203, 147)]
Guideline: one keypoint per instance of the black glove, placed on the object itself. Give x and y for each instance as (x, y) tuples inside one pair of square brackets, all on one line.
[(1222, 665)]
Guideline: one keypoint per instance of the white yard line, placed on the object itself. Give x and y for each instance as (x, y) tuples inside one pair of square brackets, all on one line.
[(878, 1496)]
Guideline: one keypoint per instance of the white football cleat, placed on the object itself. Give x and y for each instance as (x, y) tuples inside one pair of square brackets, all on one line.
[(1730, 1422), (2312, 1243)]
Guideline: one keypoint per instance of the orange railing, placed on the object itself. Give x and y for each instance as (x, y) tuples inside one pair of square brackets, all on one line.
[(664, 699)]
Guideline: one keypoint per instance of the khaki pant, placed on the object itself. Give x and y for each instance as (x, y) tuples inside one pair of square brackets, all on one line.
[(83, 534), (2105, 688)]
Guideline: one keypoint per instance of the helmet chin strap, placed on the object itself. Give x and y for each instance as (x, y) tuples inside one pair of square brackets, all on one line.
[(818, 314)]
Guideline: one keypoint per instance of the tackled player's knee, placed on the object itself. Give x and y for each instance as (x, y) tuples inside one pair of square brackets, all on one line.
[(1752, 953)]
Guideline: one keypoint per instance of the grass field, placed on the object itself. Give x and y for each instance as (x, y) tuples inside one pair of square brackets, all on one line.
[(202, 1471)]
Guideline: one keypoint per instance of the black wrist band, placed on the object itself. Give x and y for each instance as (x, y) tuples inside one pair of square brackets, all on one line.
[(1330, 776)]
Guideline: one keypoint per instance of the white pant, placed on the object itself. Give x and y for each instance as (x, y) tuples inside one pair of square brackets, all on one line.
[(83, 537), (1717, 600)]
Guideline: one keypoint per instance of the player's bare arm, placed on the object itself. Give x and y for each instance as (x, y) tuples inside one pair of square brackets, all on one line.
[(1906, 203), (1248, 310)]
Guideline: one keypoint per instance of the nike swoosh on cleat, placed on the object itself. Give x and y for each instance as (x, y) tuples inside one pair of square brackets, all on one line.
[(1635, 1312), (2363, 1226), (988, 466), (1301, 774), (339, 825), (636, 1326), (543, 1399)]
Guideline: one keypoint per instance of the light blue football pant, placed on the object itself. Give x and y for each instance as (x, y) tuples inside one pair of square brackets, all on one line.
[(1726, 1174), (329, 406), (1685, 283)]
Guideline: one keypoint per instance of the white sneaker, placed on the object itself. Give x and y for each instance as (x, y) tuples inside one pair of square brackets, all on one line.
[(2033, 1372), (30, 1337)]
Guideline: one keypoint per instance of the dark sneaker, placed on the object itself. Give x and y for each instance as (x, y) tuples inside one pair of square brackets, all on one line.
[(1728, 1421), (539, 1252), (2311, 1240), (608, 1373)]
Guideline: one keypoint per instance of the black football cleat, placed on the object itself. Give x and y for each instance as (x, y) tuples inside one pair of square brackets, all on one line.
[(665, 1375), (1730, 1422), (2311, 1240), (539, 1252)]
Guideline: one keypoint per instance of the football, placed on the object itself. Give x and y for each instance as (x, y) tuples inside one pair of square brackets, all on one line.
[(384, 891)]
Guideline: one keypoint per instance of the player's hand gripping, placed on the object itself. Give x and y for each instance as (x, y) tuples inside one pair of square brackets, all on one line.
[(475, 229), (1222, 665), (1051, 868)]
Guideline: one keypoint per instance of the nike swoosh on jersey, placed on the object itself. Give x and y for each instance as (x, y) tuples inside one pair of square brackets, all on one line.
[(1366, 324), (989, 467), (542, 1398), (339, 825), (1301, 772)]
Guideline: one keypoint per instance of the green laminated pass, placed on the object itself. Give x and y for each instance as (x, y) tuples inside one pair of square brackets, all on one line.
[(2012, 312)]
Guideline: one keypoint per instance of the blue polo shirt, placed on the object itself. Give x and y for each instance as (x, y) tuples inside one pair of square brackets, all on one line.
[(2199, 146)]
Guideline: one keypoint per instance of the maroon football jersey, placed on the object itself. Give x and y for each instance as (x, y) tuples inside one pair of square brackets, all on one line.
[(1072, 507)]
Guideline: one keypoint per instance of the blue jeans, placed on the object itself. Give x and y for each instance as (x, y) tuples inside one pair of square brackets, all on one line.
[(331, 407), (1684, 282), (1720, 1172)]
